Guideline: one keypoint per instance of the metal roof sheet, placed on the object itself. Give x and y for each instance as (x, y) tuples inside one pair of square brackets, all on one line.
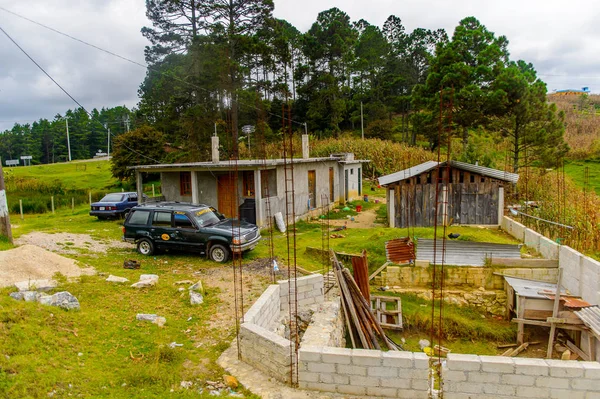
[(400, 250), (591, 318), (530, 288), (465, 253), (571, 301), (429, 165)]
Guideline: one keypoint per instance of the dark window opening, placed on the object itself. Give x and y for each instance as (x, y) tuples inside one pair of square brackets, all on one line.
[(429, 178), (472, 179), (352, 171), (185, 183), (461, 177), (483, 179), (268, 183), (248, 181), (450, 178), (183, 222), (418, 179)]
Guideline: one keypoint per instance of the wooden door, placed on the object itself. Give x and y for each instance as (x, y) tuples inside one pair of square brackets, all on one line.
[(331, 193), (312, 189), (226, 196)]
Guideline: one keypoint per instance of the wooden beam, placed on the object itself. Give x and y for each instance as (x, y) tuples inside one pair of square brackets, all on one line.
[(376, 272), (573, 327), (575, 349), (521, 327), (554, 316)]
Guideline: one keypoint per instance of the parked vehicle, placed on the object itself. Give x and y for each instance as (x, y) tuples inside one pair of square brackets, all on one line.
[(114, 205), (189, 227)]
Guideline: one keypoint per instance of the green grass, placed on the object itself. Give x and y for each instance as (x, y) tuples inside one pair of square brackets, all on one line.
[(576, 171)]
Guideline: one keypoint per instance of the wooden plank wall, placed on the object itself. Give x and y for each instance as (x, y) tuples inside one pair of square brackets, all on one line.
[(472, 199)]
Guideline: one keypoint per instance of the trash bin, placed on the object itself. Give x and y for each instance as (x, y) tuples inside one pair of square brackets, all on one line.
[(366, 198), (248, 210), (358, 208)]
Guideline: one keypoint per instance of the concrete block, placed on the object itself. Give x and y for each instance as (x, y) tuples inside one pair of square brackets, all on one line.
[(582, 384), (552, 382), (352, 370), (402, 359), (532, 392), (566, 368), (465, 387), (566, 394), (336, 355), (321, 367), (365, 381), (548, 248), (463, 362), (592, 395), (351, 390), (411, 394), (421, 360), (497, 364), (387, 372), (521, 380), (396, 383), (365, 357), (499, 389), (476, 376), (382, 392), (592, 370), (532, 239), (530, 366), (307, 376), (420, 384), (454, 376), (319, 386)]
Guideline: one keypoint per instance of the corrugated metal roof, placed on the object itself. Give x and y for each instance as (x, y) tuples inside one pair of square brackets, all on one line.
[(465, 253), (571, 302), (429, 165), (400, 250), (530, 288), (591, 318)]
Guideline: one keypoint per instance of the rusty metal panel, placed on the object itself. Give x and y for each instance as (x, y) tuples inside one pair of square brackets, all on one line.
[(400, 250)]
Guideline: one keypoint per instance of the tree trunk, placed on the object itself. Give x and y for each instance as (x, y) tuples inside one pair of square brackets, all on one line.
[(465, 138)]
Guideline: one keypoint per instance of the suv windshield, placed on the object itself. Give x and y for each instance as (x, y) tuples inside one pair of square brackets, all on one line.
[(112, 198), (207, 217)]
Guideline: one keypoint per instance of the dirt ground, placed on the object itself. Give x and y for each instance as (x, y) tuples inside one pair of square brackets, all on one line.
[(30, 262), (364, 220), (67, 243)]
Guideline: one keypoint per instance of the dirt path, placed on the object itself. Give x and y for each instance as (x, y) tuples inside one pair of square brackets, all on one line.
[(364, 220), (68, 243)]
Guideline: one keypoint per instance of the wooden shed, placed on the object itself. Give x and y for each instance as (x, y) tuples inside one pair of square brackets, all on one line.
[(471, 194)]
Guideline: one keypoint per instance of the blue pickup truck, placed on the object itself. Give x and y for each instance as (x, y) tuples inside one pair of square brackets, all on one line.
[(114, 205)]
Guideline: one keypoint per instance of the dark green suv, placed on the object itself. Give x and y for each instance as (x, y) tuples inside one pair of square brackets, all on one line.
[(189, 227)]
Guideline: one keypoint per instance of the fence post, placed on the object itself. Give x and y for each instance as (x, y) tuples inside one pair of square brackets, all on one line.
[(52, 203), (90, 195), (21, 208), (72, 204), (154, 195), (122, 190)]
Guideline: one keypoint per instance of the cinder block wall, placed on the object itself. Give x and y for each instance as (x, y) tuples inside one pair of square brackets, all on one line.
[(487, 377), (364, 372), (310, 291)]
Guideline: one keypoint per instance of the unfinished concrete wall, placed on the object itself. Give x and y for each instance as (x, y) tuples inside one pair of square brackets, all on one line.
[(170, 186), (310, 291), (364, 372), (513, 228), (487, 377), (327, 326)]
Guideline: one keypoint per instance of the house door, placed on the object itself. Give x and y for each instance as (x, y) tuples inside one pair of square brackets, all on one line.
[(331, 194), (346, 184), (226, 196), (312, 189)]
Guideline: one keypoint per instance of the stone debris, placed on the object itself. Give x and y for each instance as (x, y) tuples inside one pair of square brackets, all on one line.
[(198, 287), (148, 277), (174, 345), (183, 282), (63, 299), (30, 296), (158, 320), (116, 279), (230, 381), (146, 280), (186, 384), (424, 343), (196, 298), (36, 285)]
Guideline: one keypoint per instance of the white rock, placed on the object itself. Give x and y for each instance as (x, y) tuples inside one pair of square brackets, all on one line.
[(149, 277), (146, 317), (196, 298), (198, 287), (160, 321), (186, 384), (30, 296), (62, 299), (36, 285), (116, 279), (144, 283)]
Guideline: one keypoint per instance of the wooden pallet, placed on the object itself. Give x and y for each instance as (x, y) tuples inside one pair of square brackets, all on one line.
[(389, 317)]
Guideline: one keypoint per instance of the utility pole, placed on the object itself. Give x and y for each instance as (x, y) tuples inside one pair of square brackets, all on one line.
[(5, 229), (127, 122), (68, 140), (107, 140), (362, 125)]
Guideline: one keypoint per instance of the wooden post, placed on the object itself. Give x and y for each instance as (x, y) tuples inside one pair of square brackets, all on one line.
[(21, 208), (554, 315), (592, 346), (90, 197), (52, 203), (72, 204), (521, 327), (153, 194), (5, 229)]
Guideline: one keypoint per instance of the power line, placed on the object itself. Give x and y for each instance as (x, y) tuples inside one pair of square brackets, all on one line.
[(147, 67), (66, 92)]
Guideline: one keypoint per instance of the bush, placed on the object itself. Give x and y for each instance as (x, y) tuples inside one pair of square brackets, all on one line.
[(380, 129)]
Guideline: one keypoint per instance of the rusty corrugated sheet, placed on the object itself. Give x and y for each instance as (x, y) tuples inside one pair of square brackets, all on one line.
[(571, 302), (360, 267), (400, 250)]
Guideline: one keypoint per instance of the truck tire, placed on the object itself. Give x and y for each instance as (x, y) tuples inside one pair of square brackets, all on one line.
[(145, 247), (218, 253)]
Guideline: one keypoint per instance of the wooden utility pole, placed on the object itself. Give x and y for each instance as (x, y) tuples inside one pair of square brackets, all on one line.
[(5, 229)]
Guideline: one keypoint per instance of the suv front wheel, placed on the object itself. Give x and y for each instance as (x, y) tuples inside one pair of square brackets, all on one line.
[(218, 253), (145, 247)]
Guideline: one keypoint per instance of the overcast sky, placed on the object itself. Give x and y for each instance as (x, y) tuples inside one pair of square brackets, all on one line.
[(560, 38)]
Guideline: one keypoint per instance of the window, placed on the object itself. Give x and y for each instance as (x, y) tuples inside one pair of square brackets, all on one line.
[(139, 217), (182, 221), (162, 219), (352, 171), (461, 177), (482, 179), (248, 181), (268, 183), (429, 178), (185, 183), (472, 178)]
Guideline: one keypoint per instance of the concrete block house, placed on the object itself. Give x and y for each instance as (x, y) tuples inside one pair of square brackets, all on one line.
[(471, 195), (317, 182)]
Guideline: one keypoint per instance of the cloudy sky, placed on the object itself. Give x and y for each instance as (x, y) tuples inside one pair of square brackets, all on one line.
[(560, 38)]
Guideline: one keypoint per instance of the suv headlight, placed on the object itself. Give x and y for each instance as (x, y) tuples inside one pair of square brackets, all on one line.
[(239, 240)]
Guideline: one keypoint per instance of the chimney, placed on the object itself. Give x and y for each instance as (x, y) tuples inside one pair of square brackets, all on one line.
[(305, 150), (214, 145)]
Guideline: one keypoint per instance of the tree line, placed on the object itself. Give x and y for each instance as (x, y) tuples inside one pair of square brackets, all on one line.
[(216, 65)]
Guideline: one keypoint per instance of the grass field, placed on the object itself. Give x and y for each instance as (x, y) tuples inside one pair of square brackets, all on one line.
[(576, 171)]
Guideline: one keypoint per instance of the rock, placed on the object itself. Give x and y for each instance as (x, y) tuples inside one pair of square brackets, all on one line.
[(30, 296), (197, 287), (183, 282), (63, 299), (36, 285), (116, 279), (566, 355), (160, 321), (424, 343), (174, 345), (186, 384), (16, 295), (196, 298), (149, 277), (144, 283), (230, 381), (145, 317), (181, 289)]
